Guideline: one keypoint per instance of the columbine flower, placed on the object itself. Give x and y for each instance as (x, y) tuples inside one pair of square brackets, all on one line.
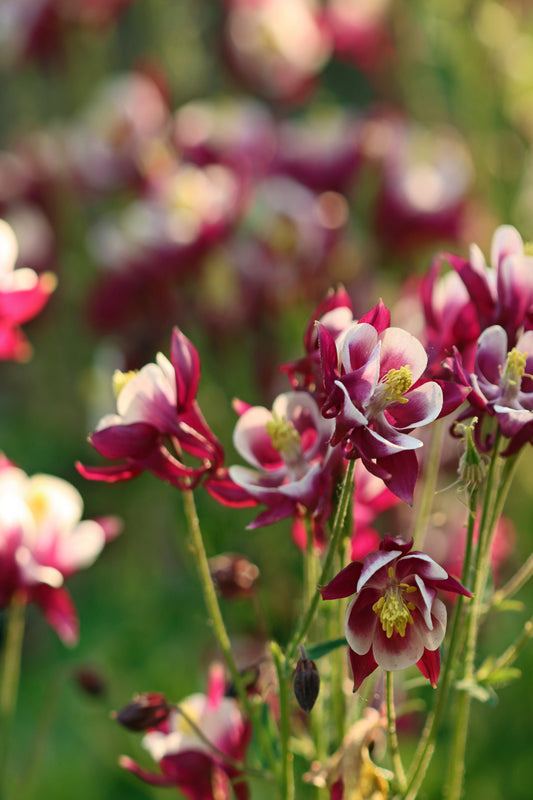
[(42, 542), (294, 465), (501, 293), (394, 619), (23, 294), (371, 378), (502, 384), (157, 419), (185, 758)]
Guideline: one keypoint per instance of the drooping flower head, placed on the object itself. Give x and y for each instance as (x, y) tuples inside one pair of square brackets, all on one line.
[(23, 294), (42, 542), (376, 398), (394, 619), (157, 420), (293, 465), (185, 759)]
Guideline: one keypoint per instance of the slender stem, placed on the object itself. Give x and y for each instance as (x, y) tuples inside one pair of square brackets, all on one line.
[(429, 485), (10, 679), (286, 770), (338, 526), (513, 651), (393, 736), (514, 584), (217, 621)]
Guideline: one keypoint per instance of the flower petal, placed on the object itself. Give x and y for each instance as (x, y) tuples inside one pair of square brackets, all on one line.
[(362, 667), (344, 583), (361, 621)]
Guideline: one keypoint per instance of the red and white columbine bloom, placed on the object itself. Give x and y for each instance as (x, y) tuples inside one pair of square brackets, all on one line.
[(157, 420), (374, 392), (42, 542), (394, 619), (23, 294), (186, 761), (293, 463)]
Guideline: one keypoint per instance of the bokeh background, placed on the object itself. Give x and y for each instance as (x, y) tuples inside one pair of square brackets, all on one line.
[(219, 165)]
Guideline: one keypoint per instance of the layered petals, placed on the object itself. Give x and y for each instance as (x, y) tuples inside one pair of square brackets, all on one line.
[(394, 619)]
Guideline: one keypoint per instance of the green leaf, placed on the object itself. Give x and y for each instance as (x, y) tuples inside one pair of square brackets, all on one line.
[(322, 649), (485, 694), (501, 677), (510, 605)]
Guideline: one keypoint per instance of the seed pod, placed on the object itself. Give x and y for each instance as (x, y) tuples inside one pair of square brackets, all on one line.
[(306, 684), (90, 681), (145, 711)]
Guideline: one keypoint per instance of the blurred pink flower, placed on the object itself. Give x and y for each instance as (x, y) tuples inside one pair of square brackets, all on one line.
[(394, 619), (186, 761), (371, 498), (42, 542), (157, 420), (23, 294)]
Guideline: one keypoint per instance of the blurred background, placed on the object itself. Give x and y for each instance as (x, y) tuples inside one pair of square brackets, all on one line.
[(219, 164)]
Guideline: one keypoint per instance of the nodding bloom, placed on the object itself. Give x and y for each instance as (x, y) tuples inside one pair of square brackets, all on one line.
[(375, 396), (394, 619), (157, 420), (42, 542), (502, 385), (186, 760), (23, 294), (501, 293), (293, 465)]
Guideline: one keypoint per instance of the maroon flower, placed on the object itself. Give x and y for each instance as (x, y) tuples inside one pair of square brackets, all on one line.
[(394, 619), (157, 420)]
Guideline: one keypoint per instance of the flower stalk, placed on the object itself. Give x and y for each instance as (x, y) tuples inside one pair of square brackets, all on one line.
[(10, 676)]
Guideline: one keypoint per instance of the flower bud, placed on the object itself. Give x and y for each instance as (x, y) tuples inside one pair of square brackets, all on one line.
[(472, 464), (90, 681), (145, 711), (306, 684), (233, 575)]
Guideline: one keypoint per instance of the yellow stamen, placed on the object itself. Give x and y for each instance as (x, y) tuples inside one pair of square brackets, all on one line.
[(392, 609), (285, 438), (398, 381), (515, 367), (120, 379)]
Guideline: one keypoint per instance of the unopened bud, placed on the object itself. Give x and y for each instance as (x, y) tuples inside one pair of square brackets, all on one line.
[(233, 575), (306, 684), (145, 711), (90, 681)]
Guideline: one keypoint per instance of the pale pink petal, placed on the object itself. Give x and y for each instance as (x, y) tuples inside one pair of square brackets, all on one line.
[(423, 405), (252, 441), (81, 547), (361, 622), (506, 241), (399, 348), (432, 638), (398, 652), (375, 562)]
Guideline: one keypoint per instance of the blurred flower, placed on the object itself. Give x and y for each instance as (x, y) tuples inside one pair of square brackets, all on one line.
[(426, 178), (276, 48), (233, 575), (350, 773), (145, 711), (157, 420), (358, 30), (42, 542), (294, 466), (394, 619), (23, 294), (371, 498), (371, 378), (198, 746)]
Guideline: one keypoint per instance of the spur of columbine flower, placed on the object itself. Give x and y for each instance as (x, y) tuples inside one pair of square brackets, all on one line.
[(376, 398), (294, 467), (42, 542), (157, 420), (394, 619), (23, 294), (200, 759), (502, 385)]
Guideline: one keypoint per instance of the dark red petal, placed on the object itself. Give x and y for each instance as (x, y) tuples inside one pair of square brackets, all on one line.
[(112, 474), (344, 583), (378, 317), (362, 667), (125, 441), (403, 470), (186, 363), (429, 665)]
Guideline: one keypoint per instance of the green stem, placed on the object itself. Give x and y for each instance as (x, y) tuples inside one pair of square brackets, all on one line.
[(217, 621), (286, 770), (429, 486), (10, 680), (392, 735), (513, 651), (338, 526), (514, 584)]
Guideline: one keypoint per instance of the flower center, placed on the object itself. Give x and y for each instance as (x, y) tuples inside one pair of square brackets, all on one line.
[(392, 387), (392, 609), (120, 379), (287, 441)]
